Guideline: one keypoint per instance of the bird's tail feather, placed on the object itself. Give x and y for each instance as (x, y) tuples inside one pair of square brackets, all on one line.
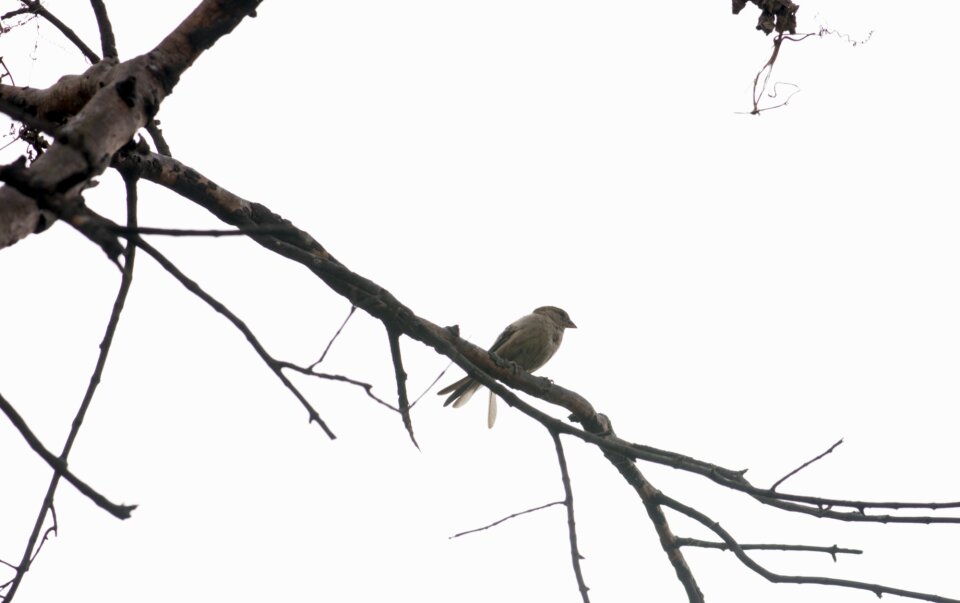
[(492, 410), (454, 386), (463, 395)]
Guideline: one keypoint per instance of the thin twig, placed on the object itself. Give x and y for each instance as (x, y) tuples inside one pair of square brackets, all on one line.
[(17, 11), (331, 377), (805, 465), (334, 338), (878, 589), (211, 232), (53, 529), (71, 35), (402, 402), (575, 555), (511, 516), (221, 309), (107, 41), (833, 551), (6, 73), (432, 383)]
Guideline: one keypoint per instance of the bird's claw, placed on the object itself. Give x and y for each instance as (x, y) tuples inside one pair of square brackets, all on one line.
[(505, 364)]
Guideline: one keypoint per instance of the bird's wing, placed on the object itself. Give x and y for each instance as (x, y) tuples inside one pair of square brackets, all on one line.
[(505, 336)]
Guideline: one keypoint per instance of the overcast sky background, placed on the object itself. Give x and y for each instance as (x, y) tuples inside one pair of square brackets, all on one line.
[(748, 291)]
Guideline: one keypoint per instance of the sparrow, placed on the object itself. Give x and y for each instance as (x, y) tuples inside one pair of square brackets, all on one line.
[(529, 342)]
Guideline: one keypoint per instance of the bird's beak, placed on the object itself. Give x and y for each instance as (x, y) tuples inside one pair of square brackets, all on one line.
[(570, 324)]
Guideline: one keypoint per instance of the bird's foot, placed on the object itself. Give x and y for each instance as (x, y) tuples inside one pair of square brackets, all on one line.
[(505, 364)]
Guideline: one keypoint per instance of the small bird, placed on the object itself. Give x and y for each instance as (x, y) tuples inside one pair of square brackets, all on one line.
[(529, 342)]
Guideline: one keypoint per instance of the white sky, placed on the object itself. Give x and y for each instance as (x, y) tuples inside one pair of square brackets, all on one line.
[(748, 291)]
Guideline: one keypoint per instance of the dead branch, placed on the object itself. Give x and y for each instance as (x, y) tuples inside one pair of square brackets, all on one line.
[(107, 41), (805, 465), (273, 364), (402, 402), (32, 548), (878, 589), (833, 551), (575, 555), (131, 94), (511, 516), (342, 378), (59, 466), (130, 97), (326, 350), (35, 7)]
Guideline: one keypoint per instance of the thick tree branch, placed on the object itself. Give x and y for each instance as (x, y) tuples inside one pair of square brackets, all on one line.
[(302, 248), (668, 541), (58, 102), (299, 246), (130, 97)]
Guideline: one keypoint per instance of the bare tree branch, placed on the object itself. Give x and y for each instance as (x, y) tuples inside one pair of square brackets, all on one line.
[(833, 551), (326, 350), (432, 383), (877, 589), (153, 129), (221, 309), (55, 104), (342, 378), (107, 41), (402, 402), (207, 232), (17, 11), (37, 8), (575, 555), (126, 280), (511, 516), (668, 541), (129, 98), (299, 246), (59, 466), (805, 465)]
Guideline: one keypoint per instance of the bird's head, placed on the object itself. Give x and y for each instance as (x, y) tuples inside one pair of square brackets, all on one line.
[(560, 317)]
